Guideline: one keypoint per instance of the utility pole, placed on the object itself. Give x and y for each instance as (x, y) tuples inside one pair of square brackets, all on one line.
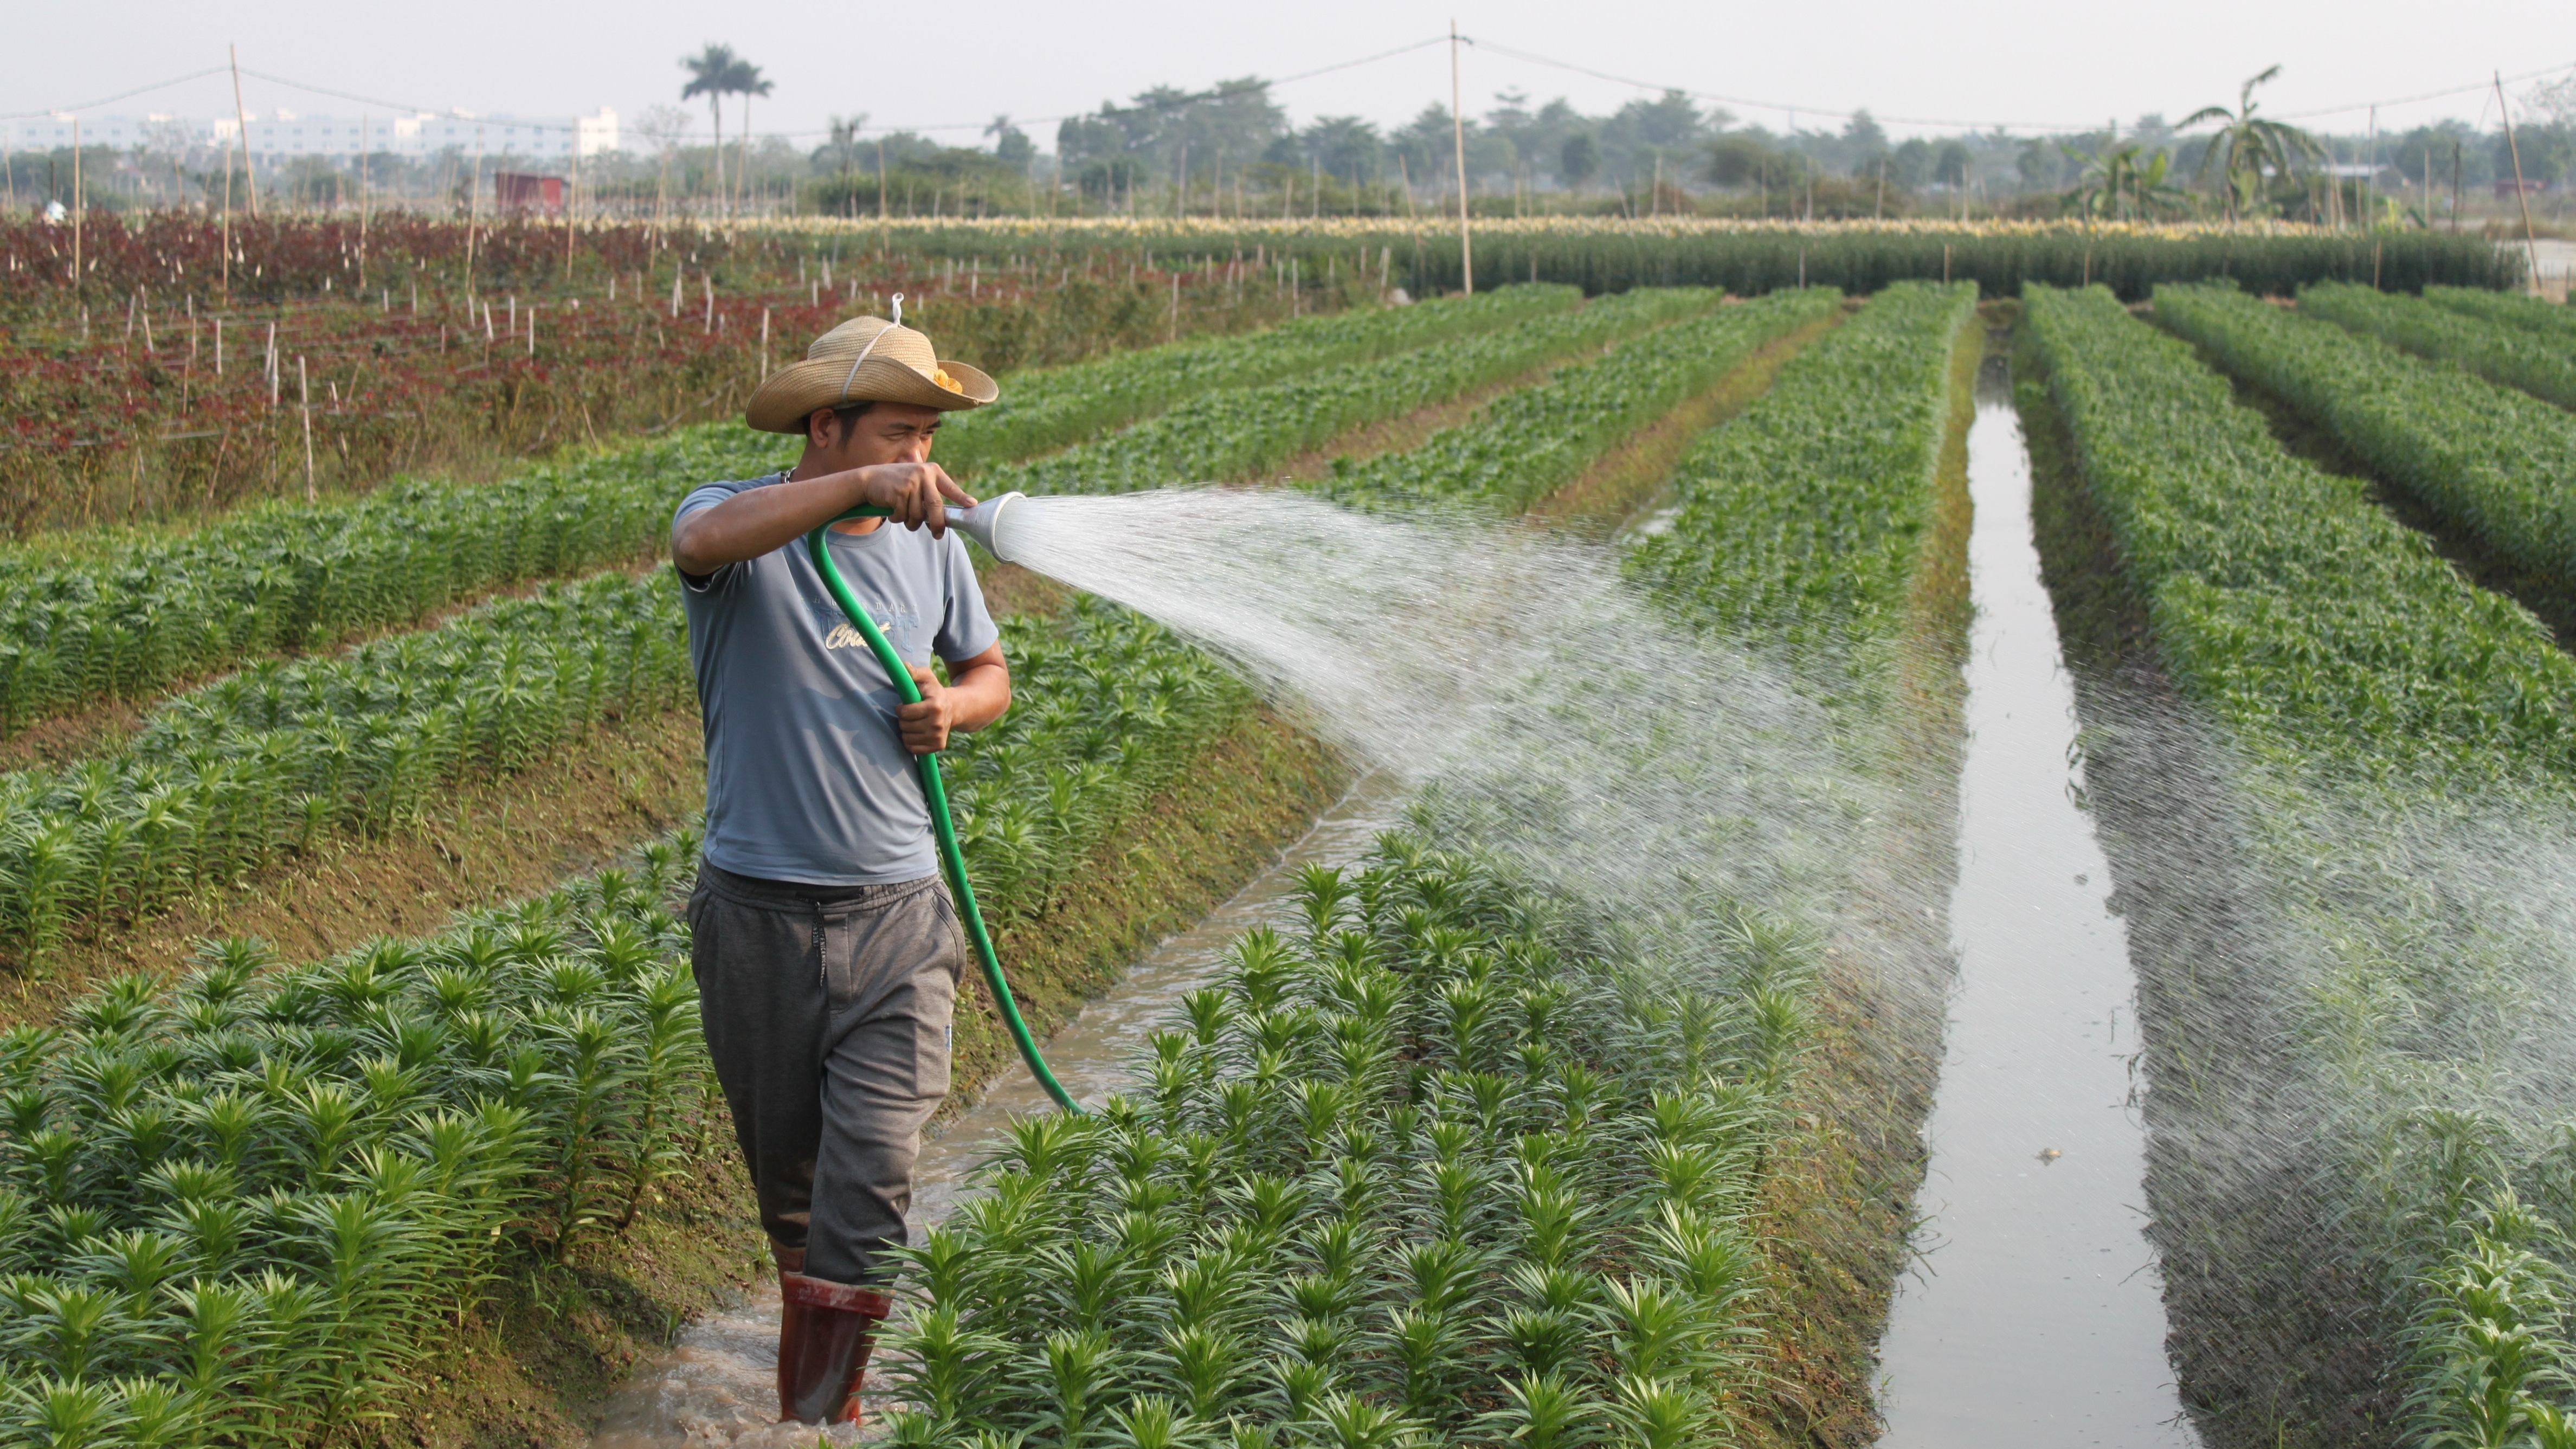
[(241, 118), (2531, 248), (1458, 135), (362, 201)]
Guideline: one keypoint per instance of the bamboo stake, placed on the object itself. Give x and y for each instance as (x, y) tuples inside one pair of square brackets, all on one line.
[(304, 401), (78, 206), (2531, 248), (362, 201), (1458, 135), (473, 208), (241, 118), (572, 196)]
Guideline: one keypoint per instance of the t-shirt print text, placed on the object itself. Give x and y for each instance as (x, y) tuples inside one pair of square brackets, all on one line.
[(840, 635)]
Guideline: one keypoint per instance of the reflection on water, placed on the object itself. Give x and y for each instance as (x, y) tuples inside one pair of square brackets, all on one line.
[(716, 1388), (2037, 1317)]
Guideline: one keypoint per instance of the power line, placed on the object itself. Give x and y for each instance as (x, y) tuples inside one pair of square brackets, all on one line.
[(1828, 112), (109, 100), (1224, 91)]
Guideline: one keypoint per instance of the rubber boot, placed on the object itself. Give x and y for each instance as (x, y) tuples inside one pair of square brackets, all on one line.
[(825, 1332)]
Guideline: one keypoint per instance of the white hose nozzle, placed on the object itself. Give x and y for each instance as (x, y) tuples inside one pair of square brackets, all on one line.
[(985, 524)]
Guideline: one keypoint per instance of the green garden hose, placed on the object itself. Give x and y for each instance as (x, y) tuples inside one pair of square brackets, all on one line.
[(935, 789)]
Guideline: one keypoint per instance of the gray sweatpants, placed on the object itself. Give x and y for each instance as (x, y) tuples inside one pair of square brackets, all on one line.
[(827, 1013)]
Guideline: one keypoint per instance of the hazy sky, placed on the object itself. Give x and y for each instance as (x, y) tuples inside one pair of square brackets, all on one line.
[(2018, 62)]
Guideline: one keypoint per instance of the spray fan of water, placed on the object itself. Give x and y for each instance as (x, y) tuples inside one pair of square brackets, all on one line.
[(1552, 716)]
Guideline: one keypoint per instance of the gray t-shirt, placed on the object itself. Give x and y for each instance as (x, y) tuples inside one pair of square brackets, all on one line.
[(806, 778)]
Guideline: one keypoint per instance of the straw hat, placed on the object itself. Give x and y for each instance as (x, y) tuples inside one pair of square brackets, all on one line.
[(866, 359)]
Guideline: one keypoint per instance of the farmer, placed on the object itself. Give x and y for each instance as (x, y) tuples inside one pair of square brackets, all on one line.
[(827, 951)]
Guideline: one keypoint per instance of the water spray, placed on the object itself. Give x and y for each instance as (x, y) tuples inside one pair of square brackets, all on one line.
[(983, 523)]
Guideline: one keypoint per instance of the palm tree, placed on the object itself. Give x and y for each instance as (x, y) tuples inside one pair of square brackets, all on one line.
[(2118, 183), (2247, 145), (745, 81), (711, 75)]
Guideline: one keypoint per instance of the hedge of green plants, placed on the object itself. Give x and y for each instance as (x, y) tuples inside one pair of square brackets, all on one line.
[(2496, 351), (2489, 459), (1040, 411), (227, 779), (2383, 728), (1529, 442), (1603, 255), (1234, 435)]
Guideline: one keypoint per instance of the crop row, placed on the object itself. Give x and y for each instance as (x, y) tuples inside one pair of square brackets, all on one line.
[(1234, 435), (1042, 411), (2513, 309), (2497, 351), (2489, 459), (2386, 1034), (1437, 1164), (1804, 519), (226, 779), (1529, 442), (234, 1208), (1414, 1168), (125, 615)]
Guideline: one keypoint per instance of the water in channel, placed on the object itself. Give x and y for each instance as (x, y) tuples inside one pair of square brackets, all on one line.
[(2036, 1316), (716, 1388)]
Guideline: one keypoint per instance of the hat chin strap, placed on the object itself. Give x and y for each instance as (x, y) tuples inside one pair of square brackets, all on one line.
[(853, 374)]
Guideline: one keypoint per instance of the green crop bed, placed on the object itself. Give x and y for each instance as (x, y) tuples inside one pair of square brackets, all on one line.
[(1528, 443), (1040, 411), (2553, 320), (2378, 720), (1803, 520), (1437, 1160), (1234, 436), (2497, 351), (228, 778), (2492, 461), (1436, 1166), (126, 614)]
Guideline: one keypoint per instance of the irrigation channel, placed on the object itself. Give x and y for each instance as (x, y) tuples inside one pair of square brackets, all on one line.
[(2036, 1317), (717, 1385)]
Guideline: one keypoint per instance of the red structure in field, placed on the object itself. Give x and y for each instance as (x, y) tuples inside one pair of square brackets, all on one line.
[(520, 191)]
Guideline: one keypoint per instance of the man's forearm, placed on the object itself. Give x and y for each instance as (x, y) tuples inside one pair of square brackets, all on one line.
[(754, 522), (980, 696)]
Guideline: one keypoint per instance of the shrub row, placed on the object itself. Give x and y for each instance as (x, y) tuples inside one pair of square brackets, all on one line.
[(124, 614), (2368, 703), (2488, 459), (1234, 435), (1528, 443), (1608, 254), (2496, 351)]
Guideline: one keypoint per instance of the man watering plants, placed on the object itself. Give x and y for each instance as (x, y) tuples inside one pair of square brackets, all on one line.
[(827, 950)]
